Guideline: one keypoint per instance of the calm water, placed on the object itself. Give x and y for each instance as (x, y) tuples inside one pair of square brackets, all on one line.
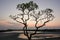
[(42, 35)]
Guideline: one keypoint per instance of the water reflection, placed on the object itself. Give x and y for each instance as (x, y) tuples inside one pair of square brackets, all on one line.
[(22, 36), (40, 36)]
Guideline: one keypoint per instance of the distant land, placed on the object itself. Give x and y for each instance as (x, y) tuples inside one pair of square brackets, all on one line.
[(47, 30)]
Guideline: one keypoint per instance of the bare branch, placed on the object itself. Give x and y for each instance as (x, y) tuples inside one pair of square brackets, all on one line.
[(43, 24), (34, 15), (48, 19), (14, 18), (19, 22)]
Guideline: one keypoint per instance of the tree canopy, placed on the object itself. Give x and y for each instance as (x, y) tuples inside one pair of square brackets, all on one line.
[(30, 6), (44, 15)]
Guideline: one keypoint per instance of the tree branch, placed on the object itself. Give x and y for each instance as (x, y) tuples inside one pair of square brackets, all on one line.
[(43, 24), (28, 16), (14, 18), (19, 22)]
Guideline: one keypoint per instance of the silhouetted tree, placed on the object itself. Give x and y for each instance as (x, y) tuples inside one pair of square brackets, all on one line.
[(29, 9)]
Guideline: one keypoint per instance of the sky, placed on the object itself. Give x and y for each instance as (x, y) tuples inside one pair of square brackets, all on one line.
[(8, 7)]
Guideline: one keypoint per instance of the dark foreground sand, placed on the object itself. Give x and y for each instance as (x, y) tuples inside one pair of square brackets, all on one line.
[(14, 36)]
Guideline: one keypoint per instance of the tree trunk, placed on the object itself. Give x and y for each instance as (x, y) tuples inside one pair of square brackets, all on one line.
[(29, 38)]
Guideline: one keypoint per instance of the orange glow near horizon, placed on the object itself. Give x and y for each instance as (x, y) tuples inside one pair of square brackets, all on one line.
[(4, 22), (30, 23)]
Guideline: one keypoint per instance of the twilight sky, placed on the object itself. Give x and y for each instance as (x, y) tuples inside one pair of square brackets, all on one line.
[(8, 7)]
